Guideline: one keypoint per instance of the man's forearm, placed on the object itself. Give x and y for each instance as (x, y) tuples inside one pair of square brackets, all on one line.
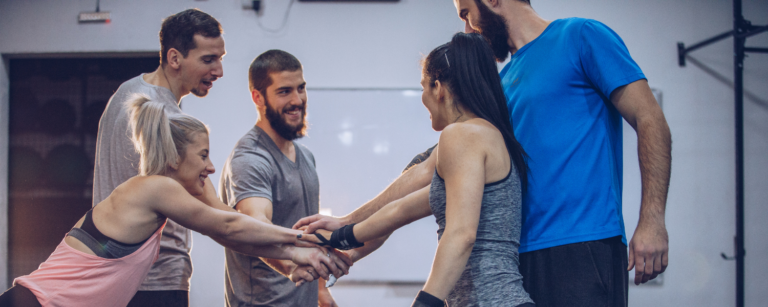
[(654, 145), (414, 179)]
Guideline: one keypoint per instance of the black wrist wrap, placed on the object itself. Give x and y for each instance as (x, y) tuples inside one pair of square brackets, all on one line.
[(425, 299), (344, 238)]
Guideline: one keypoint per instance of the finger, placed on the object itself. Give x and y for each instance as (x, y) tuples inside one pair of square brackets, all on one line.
[(664, 262), (340, 263), (302, 243), (299, 283), (648, 271), (314, 226), (639, 268), (656, 266), (305, 221), (344, 257), (309, 238), (327, 265), (631, 257)]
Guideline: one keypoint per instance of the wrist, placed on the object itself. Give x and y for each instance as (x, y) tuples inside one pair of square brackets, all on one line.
[(290, 252)]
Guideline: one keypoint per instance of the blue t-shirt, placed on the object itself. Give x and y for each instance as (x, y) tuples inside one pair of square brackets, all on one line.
[(558, 88)]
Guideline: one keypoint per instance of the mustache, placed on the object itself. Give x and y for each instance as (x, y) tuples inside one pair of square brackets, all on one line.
[(294, 108)]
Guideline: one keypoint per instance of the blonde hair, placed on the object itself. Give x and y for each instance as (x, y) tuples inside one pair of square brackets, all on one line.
[(160, 139)]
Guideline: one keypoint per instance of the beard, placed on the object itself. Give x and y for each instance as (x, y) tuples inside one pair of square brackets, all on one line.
[(494, 28), (281, 126)]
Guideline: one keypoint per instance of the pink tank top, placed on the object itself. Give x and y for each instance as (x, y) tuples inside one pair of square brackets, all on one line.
[(72, 278)]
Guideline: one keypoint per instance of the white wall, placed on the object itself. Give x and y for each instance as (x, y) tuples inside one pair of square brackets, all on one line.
[(356, 45)]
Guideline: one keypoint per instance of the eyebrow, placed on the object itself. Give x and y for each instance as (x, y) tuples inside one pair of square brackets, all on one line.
[(290, 87)]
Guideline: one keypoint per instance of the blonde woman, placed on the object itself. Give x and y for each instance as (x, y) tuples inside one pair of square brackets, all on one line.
[(104, 258)]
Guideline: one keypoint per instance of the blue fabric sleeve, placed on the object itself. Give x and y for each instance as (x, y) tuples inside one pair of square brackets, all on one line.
[(605, 59)]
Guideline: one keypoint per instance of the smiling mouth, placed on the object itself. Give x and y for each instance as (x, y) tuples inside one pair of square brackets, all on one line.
[(202, 180), (294, 111)]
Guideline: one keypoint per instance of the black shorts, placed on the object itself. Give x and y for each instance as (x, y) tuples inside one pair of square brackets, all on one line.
[(169, 298), (18, 296), (592, 273)]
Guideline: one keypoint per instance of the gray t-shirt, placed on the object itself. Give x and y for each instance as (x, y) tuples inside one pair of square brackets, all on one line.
[(117, 161), (257, 168)]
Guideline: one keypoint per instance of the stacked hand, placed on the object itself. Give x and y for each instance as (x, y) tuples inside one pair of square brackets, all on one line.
[(315, 263), (322, 225)]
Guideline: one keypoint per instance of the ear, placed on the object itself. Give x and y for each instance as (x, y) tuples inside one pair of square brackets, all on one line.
[(174, 58), (175, 166), (439, 91), (257, 98)]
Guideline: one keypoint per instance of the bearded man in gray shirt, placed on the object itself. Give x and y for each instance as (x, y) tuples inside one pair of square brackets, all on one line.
[(272, 178)]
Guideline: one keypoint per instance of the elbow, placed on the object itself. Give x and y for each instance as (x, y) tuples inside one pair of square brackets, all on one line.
[(463, 240), (231, 227)]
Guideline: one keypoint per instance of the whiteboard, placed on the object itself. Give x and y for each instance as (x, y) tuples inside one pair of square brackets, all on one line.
[(362, 140)]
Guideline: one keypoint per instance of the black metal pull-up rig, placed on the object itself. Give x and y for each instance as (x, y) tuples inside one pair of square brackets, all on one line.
[(742, 29)]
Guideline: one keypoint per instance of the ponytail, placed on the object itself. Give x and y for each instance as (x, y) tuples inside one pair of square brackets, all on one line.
[(160, 139)]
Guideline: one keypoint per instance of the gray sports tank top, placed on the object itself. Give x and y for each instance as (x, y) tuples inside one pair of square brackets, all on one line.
[(491, 276)]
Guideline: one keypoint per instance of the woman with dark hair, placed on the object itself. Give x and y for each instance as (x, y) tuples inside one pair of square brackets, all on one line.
[(104, 258), (476, 189)]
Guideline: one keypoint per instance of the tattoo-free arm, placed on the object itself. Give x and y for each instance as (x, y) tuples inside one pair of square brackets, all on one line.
[(462, 166), (649, 247)]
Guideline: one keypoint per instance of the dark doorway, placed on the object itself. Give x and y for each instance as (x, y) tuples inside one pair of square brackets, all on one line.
[(55, 107)]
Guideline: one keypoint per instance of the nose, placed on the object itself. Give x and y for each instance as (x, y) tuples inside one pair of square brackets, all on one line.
[(468, 28), (209, 167), (218, 70)]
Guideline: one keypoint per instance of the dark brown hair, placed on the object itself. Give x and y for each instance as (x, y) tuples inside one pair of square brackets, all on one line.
[(178, 31)]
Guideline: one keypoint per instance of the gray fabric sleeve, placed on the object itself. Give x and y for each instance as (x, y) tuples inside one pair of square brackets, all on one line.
[(251, 177)]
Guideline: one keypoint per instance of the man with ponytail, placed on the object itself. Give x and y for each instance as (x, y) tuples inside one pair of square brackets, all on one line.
[(191, 50), (270, 177)]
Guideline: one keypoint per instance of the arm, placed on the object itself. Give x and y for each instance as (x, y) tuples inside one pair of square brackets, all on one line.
[(303, 256), (382, 223), (412, 180), (324, 298), (167, 197), (462, 165), (260, 209), (649, 245)]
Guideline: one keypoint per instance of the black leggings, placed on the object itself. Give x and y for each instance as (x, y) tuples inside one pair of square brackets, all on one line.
[(18, 296)]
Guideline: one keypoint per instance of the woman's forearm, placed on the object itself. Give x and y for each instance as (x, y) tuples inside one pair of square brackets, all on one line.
[(247, 230), (451, 257), (394, 215)]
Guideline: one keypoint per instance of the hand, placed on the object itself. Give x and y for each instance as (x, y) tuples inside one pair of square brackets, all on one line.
[(324, 298), (315, 258), (648, 251), (323, 261), (303, 274), (317, 221), (312, 238)]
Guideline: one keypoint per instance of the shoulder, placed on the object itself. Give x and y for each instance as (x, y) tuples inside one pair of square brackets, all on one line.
[(152, 185), (468, 136), (304, 150), (148, 189)]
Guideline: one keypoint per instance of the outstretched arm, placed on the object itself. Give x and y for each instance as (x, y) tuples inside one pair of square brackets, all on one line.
[(412, 180), (261, 209), (170, 199), (649, 247), (385, 221)]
